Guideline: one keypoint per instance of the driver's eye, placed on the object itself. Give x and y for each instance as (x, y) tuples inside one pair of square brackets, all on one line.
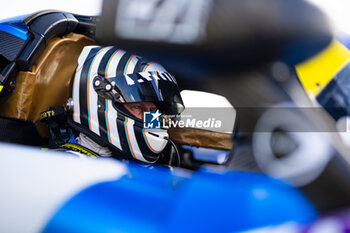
[(136, 107)]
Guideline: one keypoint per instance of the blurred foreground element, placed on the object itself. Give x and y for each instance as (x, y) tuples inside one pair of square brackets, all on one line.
[(199, 35), (50, 192), (325, 78)]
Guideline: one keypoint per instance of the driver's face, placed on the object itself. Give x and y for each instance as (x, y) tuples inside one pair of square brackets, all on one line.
[(137, 109)]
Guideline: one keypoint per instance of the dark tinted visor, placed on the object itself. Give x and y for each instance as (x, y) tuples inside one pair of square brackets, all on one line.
[(160, 88)]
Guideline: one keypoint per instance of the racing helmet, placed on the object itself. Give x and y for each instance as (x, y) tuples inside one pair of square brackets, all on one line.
[(107, 77)]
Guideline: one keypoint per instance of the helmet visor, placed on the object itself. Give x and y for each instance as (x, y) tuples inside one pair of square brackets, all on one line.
[(159, 88)]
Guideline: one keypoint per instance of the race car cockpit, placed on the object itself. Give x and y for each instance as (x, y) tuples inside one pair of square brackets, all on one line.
[(37, 73), (248, 122), (39, 55)]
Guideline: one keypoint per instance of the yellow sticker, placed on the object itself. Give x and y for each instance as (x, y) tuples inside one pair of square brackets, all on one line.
[(79, 149), (46, 114), (315, 73)]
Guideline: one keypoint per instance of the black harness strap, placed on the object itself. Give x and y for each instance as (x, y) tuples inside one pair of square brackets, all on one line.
[(21, 132)]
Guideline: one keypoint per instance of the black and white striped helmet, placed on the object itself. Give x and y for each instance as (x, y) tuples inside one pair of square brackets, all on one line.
[(105, 78)]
